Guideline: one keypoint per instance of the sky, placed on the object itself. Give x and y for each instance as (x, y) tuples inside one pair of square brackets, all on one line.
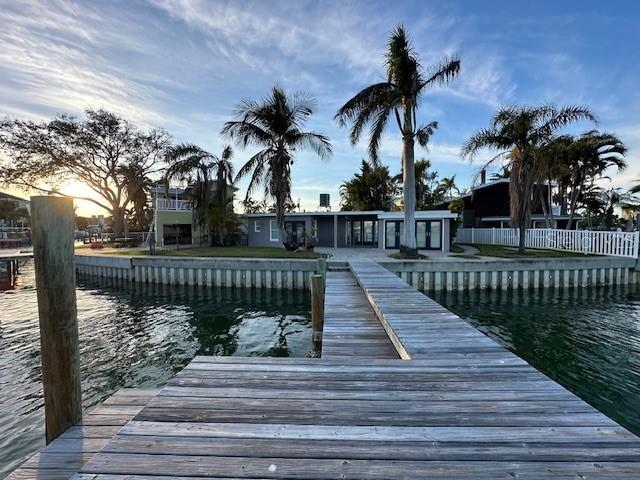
[(184, 65)]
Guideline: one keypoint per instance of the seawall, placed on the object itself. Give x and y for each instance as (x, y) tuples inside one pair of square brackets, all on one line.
[(203, 271)]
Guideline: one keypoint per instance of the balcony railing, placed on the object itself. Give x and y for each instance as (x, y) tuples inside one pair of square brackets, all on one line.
[(172, 204)]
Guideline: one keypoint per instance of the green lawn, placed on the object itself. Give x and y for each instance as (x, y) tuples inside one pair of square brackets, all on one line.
[(244, 252), (512, 252)]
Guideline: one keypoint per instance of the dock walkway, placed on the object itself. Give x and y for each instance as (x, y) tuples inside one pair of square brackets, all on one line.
[(457, 405), (351, 326)]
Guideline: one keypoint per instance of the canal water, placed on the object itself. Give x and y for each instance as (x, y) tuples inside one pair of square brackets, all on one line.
[(588, 340), (134, 336)]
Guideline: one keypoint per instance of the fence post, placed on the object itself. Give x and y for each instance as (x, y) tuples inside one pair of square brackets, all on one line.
[(473, 235), (493, 235), (52, 231), (317, 310)]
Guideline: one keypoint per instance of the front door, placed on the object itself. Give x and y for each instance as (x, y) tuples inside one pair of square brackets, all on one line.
[(393, 232), (361, 232), (429, 234), (295, 231)]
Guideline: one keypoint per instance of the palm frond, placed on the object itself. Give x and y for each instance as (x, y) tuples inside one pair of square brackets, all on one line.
[(483, 138), (443, 72), (554, 118), (375, 134), (423, 134), (367, 98), (316, 142)]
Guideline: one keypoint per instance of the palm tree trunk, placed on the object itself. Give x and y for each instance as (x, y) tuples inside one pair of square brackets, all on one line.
[(544, 211), (522, 240), (409, 195), (574, 202), (550, 195)]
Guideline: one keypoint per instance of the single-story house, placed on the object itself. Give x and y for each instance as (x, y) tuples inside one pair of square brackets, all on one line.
[(373, 229)]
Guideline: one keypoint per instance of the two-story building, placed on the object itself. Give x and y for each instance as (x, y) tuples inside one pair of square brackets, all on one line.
[(488, 205), (16, 203), (173, 219)]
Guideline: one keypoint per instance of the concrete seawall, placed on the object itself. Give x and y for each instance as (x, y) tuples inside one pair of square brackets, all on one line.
[(444, 275), (514, 274), (203, 271)]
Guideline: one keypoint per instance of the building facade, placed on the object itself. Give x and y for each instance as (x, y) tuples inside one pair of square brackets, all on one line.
[(369, 229), (488, 205)]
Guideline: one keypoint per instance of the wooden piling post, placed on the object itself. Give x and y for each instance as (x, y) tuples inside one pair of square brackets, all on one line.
[(317, 310), (52, 229)]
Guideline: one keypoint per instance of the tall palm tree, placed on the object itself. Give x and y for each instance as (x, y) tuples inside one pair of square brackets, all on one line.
[(518, 133), (399, 97), (202, 171), (275, 125)]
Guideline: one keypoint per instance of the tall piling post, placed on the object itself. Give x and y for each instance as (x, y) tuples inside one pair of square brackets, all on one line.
[(317, 310), (52, 229)]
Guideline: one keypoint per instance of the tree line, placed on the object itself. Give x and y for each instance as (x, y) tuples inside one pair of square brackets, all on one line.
[(121, 162)]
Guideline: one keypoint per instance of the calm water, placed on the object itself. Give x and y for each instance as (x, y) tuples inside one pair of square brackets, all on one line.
[(134, 336), (586, 339)]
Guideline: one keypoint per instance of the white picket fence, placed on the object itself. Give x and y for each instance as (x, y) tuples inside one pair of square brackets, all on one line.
[(618, 244)]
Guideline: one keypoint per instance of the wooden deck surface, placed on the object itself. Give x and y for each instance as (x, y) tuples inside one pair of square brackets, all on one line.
[(230, 417), (417, 325), (457, 406), (68, 453), (351, 327)]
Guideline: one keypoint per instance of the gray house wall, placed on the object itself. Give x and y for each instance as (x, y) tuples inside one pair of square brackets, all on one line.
[(325, 231), (260, 239)]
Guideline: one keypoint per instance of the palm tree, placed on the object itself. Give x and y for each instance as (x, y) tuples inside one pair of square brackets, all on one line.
[(198, 168), (518, 133), (399, 97), (137, 187), (275, 125), (589, 156), (448, 185), (427, 191), (553, 163)]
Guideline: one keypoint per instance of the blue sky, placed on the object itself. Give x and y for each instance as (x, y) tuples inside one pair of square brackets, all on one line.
[(184, 65)]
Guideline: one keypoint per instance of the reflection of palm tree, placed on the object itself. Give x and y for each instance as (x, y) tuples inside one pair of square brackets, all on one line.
[(399, 97), (275, 125), (518, 132)]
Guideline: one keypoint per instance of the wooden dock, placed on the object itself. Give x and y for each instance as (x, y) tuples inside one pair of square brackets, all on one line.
[(351, 326), (65, 456), (457, 405)]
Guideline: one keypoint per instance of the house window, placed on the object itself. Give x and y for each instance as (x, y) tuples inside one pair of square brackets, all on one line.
[(257, 226), (274, 234), (315, 229)]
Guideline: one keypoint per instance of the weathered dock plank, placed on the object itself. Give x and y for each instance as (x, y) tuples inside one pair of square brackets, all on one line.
[(366, 418), (351, 327), (63, 457)]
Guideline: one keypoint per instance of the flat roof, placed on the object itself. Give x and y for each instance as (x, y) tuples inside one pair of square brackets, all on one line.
[(370, 213), (534, 216)]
